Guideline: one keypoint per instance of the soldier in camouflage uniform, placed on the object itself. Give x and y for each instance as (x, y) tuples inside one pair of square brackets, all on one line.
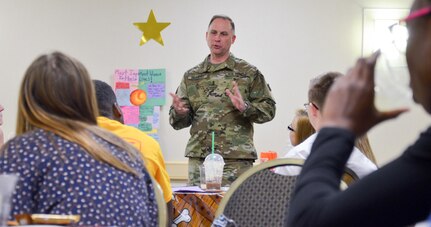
[(224, 95)]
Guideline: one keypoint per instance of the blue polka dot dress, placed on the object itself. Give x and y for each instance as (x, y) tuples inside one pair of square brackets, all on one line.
[(59, 177)]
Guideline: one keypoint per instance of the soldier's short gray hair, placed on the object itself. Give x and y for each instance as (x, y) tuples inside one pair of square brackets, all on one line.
[(221, 16)]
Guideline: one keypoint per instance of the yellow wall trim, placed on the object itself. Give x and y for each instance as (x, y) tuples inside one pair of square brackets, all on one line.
[(177, 170)]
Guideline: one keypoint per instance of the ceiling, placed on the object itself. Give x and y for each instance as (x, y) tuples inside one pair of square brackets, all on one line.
[(389, 4)]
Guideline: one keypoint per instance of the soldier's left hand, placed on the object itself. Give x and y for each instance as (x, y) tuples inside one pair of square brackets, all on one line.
[(236, 97)]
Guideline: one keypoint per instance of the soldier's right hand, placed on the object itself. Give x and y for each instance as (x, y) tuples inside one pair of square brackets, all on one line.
[(178, 105)]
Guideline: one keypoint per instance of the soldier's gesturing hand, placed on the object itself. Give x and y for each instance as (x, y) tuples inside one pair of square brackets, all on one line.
[(178, 105), (236, 97)]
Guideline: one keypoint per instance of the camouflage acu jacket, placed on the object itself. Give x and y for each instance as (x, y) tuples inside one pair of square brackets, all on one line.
[(203, 90)]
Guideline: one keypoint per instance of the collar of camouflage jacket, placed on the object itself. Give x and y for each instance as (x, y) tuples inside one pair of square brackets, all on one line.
[(208, 67)]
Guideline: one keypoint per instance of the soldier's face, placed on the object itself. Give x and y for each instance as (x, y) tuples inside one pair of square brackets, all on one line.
[(220, 37)]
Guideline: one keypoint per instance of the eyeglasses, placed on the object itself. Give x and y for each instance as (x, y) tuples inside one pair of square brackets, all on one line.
[(399, 30), (290, 128), (391, 76), (310, 103), (418, 13)]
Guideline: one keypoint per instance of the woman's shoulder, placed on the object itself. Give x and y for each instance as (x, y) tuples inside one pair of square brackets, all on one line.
[(37, 134), (37, 142), (27, 139), (31, 152)]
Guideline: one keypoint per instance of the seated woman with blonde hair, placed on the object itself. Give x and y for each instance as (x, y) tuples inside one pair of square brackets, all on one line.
[(363, 144), (66, 164), (300, 128)]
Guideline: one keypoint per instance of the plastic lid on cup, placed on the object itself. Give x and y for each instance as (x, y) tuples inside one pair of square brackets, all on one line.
[(214, 158)]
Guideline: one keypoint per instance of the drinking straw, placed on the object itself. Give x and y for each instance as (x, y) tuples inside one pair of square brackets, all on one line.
[(212, 142)]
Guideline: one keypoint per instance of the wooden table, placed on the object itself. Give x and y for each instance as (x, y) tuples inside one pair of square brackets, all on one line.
[(195, 208)]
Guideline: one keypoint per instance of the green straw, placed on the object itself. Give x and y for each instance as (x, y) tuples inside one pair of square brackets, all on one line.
[(212, 142)]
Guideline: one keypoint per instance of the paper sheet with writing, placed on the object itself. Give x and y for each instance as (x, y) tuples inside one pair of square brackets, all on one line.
[(140, 93)]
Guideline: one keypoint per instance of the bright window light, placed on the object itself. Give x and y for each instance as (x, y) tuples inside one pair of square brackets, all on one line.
[(383, 31)]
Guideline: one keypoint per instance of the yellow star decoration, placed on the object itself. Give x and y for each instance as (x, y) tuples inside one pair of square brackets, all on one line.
[(151, 29)]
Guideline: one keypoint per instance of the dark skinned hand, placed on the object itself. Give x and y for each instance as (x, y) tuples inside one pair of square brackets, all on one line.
[(350, 101)]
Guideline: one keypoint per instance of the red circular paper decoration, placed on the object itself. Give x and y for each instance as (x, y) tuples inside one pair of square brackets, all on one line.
[(138, 97)]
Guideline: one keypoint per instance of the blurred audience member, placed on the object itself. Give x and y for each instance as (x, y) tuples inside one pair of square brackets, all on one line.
[(66, 163), (300, 128), (111, 118), (363, 144), (319, 87), (398, 194)]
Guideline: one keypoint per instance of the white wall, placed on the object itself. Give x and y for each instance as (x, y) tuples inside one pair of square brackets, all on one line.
[(290, 41)]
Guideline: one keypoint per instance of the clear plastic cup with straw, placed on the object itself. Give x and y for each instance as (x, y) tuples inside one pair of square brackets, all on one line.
[(214, 165)]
